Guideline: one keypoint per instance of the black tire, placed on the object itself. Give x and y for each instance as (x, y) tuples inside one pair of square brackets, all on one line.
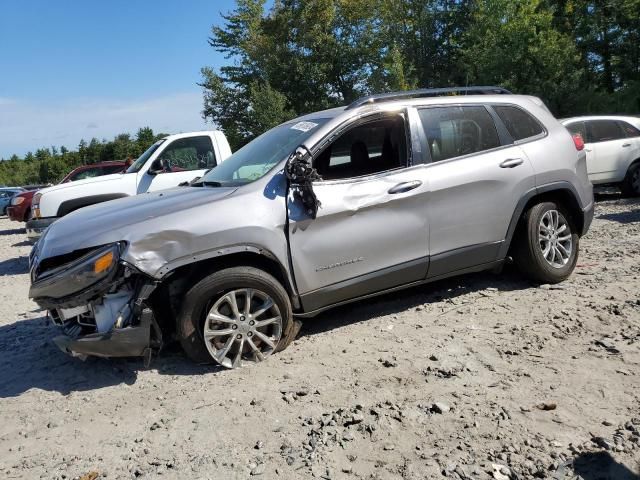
[(630, 186), (202, 296), (528, 252)]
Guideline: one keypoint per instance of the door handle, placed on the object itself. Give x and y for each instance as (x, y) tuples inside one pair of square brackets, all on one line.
[(404, 187), (511, 162), (626, 145), (588, 150)]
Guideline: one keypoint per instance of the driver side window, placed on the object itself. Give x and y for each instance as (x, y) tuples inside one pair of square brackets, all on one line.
[(369, 148), (458, 131)]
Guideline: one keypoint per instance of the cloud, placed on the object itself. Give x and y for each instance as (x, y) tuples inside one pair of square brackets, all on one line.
[(27, 126)]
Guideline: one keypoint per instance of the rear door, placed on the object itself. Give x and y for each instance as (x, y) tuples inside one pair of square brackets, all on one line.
[(476, 176), (371, 232), (179, 161), (610, 148)]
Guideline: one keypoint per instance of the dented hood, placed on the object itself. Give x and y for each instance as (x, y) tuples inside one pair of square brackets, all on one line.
[(147, 222)]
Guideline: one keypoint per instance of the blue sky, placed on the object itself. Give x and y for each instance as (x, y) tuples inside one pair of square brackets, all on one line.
[(72, 69)]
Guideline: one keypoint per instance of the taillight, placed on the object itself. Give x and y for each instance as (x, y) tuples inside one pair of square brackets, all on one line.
[(578, 141)]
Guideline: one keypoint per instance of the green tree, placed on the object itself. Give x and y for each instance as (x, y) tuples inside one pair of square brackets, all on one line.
[(513, 43)]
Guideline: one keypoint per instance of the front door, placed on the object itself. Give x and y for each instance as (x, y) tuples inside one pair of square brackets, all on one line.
[(181, 160), (370, 233)]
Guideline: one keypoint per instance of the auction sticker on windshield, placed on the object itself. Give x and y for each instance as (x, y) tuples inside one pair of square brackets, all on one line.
[(304, 126)]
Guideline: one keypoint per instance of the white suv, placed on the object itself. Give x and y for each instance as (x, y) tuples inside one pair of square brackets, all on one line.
[(612, 144)]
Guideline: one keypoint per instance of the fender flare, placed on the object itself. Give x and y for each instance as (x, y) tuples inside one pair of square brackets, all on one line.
[(220, 253), (522, 203)]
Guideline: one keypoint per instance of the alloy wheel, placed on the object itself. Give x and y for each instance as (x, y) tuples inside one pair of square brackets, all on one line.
[(243, 324), (554, 237)]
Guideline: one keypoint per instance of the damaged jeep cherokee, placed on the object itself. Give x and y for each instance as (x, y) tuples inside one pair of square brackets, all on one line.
[(391, 191)]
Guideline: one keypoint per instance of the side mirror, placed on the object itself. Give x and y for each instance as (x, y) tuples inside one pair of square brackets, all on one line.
[(156, 167), (301, 175)]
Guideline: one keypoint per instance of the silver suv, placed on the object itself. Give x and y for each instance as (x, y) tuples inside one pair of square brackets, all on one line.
[(392, 191)]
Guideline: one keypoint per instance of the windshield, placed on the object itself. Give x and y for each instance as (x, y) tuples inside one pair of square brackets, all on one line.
[(259, 156), (142, 159)]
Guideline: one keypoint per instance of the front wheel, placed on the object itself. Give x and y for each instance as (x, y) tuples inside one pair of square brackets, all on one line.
[(630, 186), (234, 315), (547, 246)]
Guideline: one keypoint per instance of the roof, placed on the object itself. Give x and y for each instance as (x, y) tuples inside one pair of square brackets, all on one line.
[(600, 117)]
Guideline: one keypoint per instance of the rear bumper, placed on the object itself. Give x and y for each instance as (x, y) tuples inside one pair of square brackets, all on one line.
[(13, 214), (587, 218), (36, 226), (130, 341)]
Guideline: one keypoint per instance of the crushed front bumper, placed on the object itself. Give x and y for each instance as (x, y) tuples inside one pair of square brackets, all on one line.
[(132, 341), (36, 226)]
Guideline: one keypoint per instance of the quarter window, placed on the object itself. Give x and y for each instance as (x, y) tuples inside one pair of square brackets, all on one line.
[(457, 131), (519, 123), (193, 153), (366, 149), (604, 130), (629, 129)]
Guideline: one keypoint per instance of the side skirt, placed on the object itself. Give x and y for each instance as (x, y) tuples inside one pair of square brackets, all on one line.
[(476, 268)]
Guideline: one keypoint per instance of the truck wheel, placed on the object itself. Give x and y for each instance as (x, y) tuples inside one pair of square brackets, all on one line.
[(546, 249), (630, 186), (234, 315)]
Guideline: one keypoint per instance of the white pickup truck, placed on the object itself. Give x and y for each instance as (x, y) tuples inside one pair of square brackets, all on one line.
[(167, 163)]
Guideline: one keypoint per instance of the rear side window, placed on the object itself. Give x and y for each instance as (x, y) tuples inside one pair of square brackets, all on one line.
[(604, 130), (629, 129), (88, 173), (458, 131), (519, 123), (112, 169)]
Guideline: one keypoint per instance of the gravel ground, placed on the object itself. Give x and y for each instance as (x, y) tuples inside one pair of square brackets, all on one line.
[(483, 376)]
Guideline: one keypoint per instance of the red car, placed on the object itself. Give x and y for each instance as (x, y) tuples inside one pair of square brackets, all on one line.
[(20, 209)]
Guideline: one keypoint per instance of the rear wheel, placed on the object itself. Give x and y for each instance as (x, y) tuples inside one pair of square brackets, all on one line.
[(234, 315), (630, 186), (547, 244)]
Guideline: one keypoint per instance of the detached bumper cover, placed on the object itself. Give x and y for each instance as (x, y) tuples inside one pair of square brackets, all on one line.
[(36, 226), (120, 342)]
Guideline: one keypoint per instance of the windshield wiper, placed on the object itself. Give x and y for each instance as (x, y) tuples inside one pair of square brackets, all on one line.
[(208, 183)]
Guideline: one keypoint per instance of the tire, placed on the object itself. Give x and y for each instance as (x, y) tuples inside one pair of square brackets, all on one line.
[(210, 299), (630, 186), (530, 248), (28, 216)]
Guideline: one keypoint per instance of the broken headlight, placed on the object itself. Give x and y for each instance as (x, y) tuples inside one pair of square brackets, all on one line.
[(78, 275)]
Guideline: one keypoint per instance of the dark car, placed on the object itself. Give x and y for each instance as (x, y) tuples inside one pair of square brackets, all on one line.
[(20, 209)]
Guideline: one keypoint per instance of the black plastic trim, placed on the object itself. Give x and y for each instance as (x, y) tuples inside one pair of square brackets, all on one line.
[(461, 258), (476, 268), (414, 270), (77, 203), (550, 187)]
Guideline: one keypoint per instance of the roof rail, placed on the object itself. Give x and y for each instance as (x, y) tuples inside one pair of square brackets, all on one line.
[(428, 92)]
